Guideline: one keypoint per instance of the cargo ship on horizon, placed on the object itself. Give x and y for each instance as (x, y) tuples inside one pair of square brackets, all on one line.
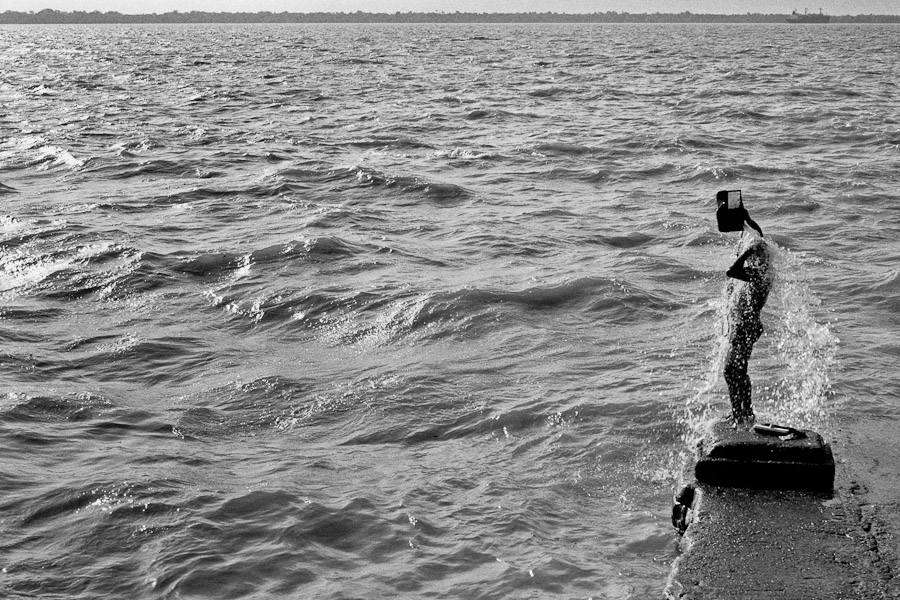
[(806, 17)]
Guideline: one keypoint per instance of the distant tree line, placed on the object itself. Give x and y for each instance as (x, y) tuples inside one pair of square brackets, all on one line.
[(48, 17)]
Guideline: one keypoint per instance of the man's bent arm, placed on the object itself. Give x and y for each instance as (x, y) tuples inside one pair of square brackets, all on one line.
[(737, 270)]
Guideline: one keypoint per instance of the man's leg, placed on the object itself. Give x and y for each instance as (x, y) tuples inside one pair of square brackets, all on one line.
[(737, 378)]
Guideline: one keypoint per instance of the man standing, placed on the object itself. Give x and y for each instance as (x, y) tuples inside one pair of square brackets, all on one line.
[(753, 270)]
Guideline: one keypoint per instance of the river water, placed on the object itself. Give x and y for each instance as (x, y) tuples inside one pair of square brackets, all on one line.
[(415, 310)]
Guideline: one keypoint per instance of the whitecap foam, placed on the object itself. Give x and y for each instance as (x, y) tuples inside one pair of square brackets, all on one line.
[(121, 345), (10, 224), (34, 151), (22, 271), (57, 155)]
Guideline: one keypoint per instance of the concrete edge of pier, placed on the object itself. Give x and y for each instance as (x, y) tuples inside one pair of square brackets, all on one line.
[(786, 544)]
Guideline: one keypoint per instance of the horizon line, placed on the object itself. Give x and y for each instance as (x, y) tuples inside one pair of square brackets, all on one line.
[(49, 16), (442, 12)]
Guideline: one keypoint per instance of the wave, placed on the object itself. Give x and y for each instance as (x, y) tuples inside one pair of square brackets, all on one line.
[(704, 173), (379, 318), (411, 185), (252, 534), (562, 148), (42, 90), (884, 292), (244, 408), (310, 248), (87, 414), (388, 141), (46, 260), (74, 407), (455, 422), (553, 213), (550, 91), (470, 424), (149, 167), (364, 179), (35, 152), (479, 114), (462, 154), (122, 500), (117, 358), (45, 264), (543, 297), (132, 148), (798, 207), (127, 166), (645, 173), (627, 241)]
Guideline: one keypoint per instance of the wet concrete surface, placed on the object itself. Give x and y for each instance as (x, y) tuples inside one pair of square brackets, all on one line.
[(781, 544)]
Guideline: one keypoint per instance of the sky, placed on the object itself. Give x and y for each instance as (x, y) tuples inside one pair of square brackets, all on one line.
[(832, 7)]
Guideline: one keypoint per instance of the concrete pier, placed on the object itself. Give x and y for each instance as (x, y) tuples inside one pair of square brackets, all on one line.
[(793, 460), (762, 521)]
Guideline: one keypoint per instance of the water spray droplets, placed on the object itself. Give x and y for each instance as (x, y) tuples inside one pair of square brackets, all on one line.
[(806, 350), (796, 387)]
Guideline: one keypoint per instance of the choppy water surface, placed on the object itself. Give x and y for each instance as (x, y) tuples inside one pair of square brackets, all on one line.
[(414, 311)]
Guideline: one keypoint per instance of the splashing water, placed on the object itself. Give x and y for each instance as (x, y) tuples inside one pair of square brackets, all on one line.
[(707, 404), (790, 366), (805, 349)]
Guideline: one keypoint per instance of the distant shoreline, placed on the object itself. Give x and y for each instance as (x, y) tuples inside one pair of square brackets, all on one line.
[(54, 17)]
